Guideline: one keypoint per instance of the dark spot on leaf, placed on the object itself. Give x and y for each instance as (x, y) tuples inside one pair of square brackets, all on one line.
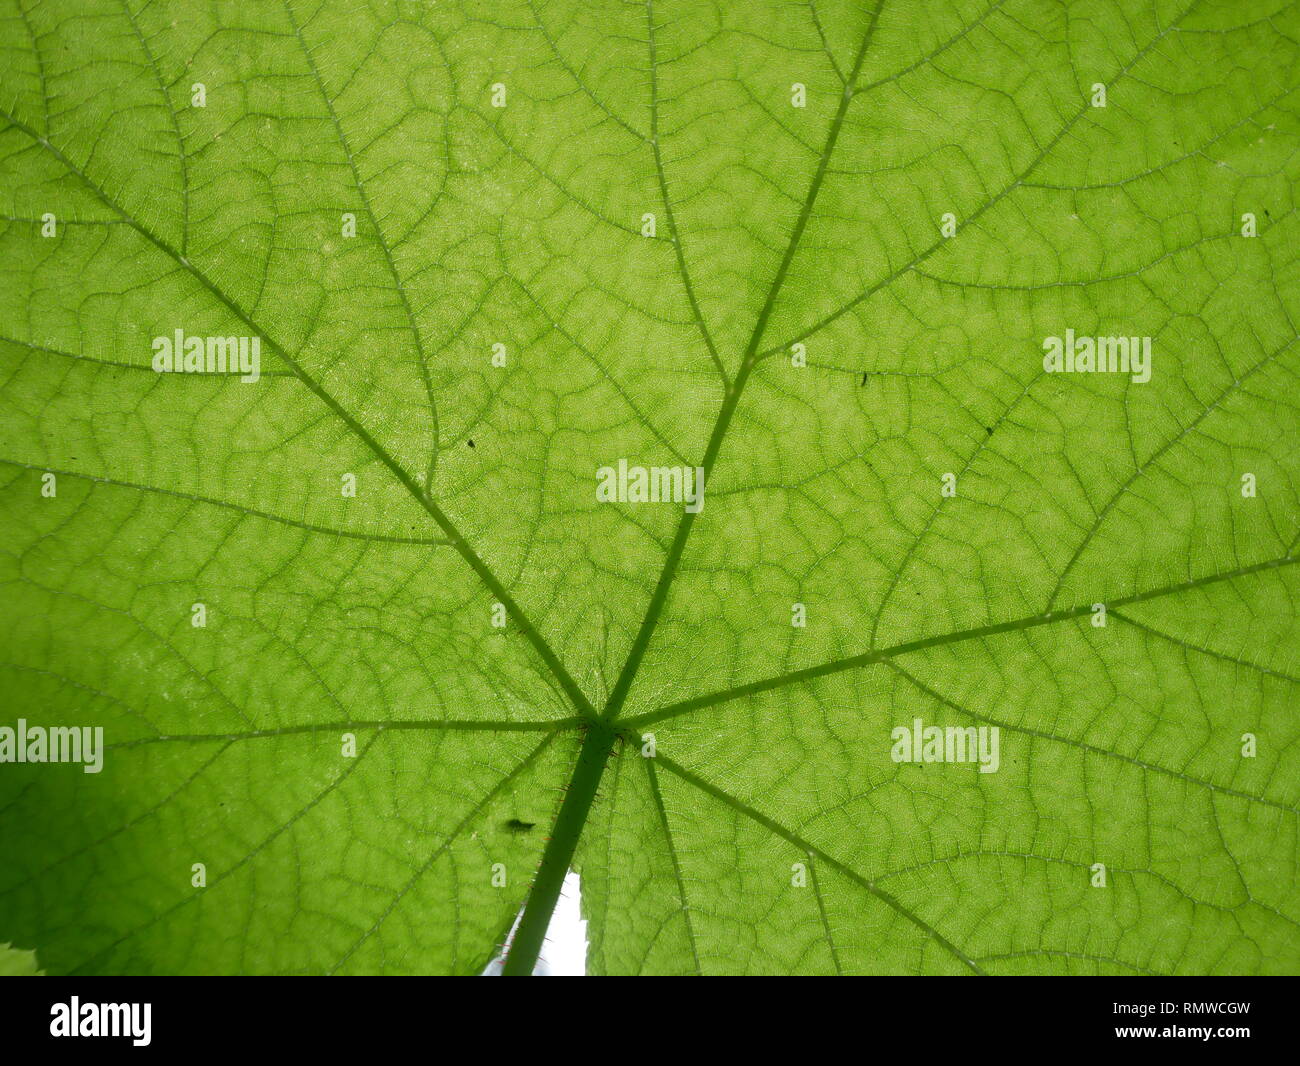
[(516, 826), (470, 443)]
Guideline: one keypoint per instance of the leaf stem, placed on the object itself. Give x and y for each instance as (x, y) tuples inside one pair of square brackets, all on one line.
[(556, 859)]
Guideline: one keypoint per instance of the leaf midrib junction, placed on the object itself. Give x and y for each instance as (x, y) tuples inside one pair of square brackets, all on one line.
[(598, 741)]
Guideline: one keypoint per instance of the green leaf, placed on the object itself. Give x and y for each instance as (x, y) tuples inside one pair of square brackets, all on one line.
[(350, 768), (17, 963)]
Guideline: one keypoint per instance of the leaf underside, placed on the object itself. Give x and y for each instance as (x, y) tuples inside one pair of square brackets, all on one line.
[(486, 753)]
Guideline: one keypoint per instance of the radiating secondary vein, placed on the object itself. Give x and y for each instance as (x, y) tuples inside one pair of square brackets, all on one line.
[(1092, 749), (453, 725), (421, 358), (229, 871), (676, 863), (869, 658), (522, 767), (990, 202), (457, 541), (811, 849)]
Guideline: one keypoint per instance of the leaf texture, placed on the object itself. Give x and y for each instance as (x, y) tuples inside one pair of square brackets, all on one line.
[(681, 234)]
